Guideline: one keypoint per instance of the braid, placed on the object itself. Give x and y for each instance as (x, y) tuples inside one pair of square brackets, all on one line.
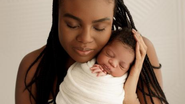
[(53, 59), (51, 67), (122, 16), (147, 77)]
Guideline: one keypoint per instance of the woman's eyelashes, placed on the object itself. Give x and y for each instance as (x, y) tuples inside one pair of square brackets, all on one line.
[(72, 26), (75, 26), (99, 29)]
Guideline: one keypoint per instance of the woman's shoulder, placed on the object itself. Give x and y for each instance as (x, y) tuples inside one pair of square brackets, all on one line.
[(21, 93), (151, 52), (147, 42), (30, 58), (152, 55)]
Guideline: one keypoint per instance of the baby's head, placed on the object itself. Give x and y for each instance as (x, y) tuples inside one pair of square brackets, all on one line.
[(119, 54), (125, 36)]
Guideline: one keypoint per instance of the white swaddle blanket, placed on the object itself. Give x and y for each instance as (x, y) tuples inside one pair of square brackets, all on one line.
[(81, 86)]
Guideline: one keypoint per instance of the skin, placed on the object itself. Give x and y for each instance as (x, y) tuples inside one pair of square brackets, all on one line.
[(115, 59), (87, 37), (132, 95), (84, 32)]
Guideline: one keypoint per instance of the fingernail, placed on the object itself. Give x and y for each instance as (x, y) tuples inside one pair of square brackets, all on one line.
[(134, 30)]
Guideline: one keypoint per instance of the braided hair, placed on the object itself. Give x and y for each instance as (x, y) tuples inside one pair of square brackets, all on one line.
[(147, 76), (52, 69)]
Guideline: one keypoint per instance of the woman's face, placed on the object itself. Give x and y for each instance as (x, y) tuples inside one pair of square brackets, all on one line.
[(85, 27)]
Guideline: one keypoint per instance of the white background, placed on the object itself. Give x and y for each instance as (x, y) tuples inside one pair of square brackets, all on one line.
[(25, 25)]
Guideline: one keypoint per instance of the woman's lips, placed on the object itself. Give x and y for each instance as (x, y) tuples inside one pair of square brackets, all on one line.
[(83, 51)]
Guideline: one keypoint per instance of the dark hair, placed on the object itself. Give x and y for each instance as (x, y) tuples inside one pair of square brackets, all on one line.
[(125, 36), (53, 61)]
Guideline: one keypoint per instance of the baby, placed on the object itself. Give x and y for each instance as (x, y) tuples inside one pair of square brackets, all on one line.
[(81, 84), (117, 56)]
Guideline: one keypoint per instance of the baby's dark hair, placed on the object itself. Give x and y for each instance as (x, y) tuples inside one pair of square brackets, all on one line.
[(125, 36)]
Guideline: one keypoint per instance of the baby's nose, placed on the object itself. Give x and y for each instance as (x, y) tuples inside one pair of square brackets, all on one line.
[(113, 63)]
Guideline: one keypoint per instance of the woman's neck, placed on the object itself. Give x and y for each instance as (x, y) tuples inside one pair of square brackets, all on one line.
[(69, 62)]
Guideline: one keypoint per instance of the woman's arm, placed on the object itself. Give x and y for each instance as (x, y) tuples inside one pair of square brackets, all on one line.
[(22, 96), (132, 80), (131, 95), (154, 61)]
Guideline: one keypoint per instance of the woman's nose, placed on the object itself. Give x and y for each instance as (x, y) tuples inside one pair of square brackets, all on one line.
[(113, 63), (85, 36)]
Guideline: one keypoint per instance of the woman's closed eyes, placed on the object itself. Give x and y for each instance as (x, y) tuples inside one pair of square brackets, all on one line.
[(75, 26)]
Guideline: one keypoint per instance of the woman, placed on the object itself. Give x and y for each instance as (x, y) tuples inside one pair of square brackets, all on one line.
[(79, 31)]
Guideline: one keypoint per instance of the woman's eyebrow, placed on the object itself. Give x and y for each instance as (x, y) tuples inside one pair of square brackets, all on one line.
[(101, 20), (78, 19), (73, 17)]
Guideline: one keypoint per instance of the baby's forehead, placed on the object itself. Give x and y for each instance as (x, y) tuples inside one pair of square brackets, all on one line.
[(129, 48), (122, 44), (119, 42)]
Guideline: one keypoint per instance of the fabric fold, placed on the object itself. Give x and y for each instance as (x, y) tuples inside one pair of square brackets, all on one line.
[(80, 86)]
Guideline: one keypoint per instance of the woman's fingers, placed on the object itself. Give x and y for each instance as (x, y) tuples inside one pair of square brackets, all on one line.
[(141, 50), (139, 38), (142, 46), (138, 53)]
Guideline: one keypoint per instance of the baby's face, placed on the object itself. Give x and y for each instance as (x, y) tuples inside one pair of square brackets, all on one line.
[(116, 58)]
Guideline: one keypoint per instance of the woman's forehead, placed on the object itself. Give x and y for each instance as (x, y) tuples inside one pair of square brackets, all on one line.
[(86, 9), (106, 2)]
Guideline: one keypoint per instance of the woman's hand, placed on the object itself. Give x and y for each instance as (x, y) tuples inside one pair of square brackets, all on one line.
[(141, 50), (132, 80)]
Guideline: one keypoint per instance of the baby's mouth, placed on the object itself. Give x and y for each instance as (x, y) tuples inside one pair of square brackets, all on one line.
[(106, 68)]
